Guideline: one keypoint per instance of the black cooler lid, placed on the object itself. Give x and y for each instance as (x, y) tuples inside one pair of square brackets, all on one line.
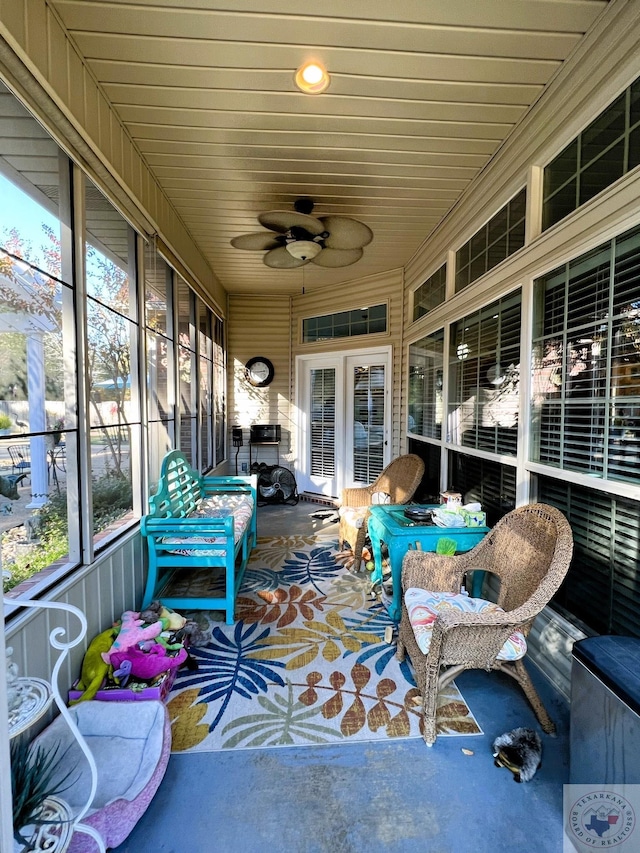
[(616, 662)]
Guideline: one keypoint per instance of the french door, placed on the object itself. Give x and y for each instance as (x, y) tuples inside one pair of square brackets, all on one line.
[(344, 424)]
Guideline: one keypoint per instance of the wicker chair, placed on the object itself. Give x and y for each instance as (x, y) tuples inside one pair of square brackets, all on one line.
[(529, 550), (399, 480)]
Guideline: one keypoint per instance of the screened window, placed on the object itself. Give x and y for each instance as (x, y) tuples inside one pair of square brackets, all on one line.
[(484, 373), (424, 415), (158, 300), (38, 346), (205, 383), (187, 370), (430, 293), (586, 363), (604, 151), (53, 349), (219, 390), (500, 237), (113, 341), (345, 324)]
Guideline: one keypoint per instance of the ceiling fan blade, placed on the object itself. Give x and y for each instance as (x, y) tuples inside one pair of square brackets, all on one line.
[(283, 220), (259, 241), (280, 259), (337, 257), (346, 233)]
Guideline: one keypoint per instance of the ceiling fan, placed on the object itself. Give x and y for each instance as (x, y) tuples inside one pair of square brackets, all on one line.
[(328, 241)]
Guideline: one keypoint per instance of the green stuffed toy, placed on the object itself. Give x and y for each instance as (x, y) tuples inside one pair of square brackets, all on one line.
[(94, 669)]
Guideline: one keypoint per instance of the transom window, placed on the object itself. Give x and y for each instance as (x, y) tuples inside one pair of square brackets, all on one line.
[(502, 235), (430, 294), (345, 324), (604, 151)]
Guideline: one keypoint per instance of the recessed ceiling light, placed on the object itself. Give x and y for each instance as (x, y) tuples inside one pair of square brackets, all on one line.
[(311, 78)]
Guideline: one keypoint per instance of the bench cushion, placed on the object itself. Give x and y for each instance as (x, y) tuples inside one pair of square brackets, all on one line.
[(614, 661), (216, 506)]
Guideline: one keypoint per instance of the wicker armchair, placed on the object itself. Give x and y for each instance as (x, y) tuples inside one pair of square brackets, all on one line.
[(399, 480), (529, 550)]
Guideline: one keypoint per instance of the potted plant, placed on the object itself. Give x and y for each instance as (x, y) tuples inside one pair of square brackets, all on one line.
[(33, 781)]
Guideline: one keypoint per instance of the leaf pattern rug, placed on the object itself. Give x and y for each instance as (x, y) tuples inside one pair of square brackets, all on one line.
[(305, 663)]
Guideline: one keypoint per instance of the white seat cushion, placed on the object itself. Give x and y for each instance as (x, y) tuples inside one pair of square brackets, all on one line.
[(353, 515), (423, 608)]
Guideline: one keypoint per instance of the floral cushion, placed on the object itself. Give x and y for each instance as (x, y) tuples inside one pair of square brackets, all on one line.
[(423, 608), (216, 506), (353, 515)]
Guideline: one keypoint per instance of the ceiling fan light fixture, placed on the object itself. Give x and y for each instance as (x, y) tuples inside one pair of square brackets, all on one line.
[(304, 250), (328, 241), (312, 79)]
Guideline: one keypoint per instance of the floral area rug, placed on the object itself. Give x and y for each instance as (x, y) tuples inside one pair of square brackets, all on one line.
[(306, 662)]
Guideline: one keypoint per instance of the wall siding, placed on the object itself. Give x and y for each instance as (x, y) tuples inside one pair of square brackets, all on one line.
[(260, 325), (113, 584)]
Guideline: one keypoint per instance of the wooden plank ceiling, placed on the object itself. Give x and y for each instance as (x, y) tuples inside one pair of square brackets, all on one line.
[(422, 94)]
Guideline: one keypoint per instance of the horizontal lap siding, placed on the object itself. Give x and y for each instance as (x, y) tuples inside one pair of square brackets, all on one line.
[(103, 592), (260, 325)]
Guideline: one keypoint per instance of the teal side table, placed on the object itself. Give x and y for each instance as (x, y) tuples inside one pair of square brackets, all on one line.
[(388, 523)]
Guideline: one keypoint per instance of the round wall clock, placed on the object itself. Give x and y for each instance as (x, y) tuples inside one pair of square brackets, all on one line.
[(259, 371)]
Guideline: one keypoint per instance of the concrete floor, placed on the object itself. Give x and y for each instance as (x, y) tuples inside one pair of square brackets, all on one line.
[(283, 520), (369, 797)]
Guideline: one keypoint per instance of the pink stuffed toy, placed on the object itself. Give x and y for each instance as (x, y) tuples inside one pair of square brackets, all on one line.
[(148, 665), (131, 633)]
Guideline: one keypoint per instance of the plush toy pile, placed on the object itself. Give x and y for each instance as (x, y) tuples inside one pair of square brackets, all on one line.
[(139, 646)]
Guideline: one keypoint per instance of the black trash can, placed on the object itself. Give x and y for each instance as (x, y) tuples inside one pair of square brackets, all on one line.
[(605, 711)]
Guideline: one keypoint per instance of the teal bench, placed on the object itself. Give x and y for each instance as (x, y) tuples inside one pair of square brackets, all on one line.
[(198, 523)]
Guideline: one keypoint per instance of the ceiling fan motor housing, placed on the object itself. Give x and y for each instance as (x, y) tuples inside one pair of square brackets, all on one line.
[(303, 205)]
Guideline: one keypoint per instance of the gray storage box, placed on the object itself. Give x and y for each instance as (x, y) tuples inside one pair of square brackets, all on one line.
[(605, 711)]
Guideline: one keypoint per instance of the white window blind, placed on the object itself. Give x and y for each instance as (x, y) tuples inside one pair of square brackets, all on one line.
[(586, 365)]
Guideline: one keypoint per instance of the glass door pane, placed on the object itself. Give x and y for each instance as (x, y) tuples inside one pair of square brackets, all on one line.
[(368, 421), (323, 426)]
